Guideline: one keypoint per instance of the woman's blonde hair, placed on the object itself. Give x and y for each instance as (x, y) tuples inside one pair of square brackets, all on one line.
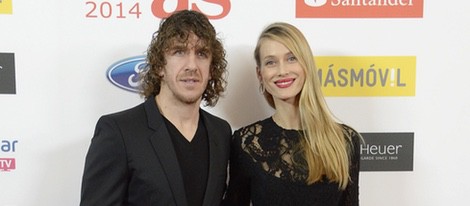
[(324, 144)]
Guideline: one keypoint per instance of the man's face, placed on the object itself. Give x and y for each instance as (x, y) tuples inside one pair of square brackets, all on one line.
[(187, 71)]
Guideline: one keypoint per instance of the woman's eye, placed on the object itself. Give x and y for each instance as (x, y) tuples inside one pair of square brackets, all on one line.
[(291, 59), (269, 63)]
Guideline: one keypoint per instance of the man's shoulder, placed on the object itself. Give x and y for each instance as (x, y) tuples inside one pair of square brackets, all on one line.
[(212, 117), (129, 114), (216, 121)]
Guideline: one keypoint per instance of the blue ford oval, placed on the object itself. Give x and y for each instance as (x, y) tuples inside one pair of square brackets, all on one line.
[(125, 73)]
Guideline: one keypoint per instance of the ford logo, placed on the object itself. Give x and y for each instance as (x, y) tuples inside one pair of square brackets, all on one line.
[(125, 73)]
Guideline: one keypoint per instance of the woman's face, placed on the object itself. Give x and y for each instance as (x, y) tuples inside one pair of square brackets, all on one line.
[(279, 71)]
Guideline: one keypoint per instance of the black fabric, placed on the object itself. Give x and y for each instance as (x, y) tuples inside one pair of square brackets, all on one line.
[(193, 158), (262, 171), (131, 160)]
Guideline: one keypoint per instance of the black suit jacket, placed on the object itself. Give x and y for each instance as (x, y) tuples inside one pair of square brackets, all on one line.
[(131, 160)]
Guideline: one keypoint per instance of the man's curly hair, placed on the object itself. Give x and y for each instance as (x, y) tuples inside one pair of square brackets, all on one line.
[(179, 26)]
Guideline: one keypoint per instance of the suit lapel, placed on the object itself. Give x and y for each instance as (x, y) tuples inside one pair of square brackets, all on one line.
[(214, 159), (163, 146)]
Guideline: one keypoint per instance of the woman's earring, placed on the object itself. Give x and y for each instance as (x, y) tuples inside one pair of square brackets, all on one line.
[(261, 88)]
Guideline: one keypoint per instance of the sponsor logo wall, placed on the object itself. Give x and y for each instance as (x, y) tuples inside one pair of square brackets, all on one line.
[(392, 69)]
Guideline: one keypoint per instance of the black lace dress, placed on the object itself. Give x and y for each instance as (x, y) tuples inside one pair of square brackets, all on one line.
[(262, 172)]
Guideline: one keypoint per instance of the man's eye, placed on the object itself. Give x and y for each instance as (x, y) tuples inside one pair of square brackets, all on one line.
[(202, 54), (178, 52)]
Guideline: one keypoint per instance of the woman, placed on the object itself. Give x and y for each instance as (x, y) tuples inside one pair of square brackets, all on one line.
[(300, 155)]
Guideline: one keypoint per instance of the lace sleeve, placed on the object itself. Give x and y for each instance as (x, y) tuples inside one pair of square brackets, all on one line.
[(238, 191), (350, 196)]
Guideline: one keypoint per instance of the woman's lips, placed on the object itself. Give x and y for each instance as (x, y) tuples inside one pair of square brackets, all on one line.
[(283, 83)]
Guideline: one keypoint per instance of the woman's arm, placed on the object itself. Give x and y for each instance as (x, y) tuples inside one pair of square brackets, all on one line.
[(350, 195), (238, 191)]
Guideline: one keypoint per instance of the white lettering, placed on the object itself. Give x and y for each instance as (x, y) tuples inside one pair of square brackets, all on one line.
[(367, 158), (315, 3), (133, 79), (380, 149), (5, 163), (372, 3), (381, 158)]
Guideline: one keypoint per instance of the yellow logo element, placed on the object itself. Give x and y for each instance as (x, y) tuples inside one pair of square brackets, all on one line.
[(6, 7), (367, 75)]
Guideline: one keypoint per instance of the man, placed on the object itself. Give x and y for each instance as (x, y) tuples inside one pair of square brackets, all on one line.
[(166, 151)]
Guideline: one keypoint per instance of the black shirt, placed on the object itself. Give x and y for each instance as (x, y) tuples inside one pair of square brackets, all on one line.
[(262, 170), (193, 159)]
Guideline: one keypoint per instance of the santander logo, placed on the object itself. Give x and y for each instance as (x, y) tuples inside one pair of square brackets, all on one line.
[(359, 9), (315, 3)]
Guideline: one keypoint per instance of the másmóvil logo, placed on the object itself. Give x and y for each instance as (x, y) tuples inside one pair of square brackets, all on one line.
[(6, 7), (367, 75), (125, 73)]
